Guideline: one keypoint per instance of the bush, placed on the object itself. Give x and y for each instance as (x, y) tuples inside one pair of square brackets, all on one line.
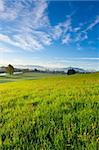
[(71, 71)]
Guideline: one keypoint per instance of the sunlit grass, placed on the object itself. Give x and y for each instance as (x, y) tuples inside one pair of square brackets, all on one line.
[(57, 113)]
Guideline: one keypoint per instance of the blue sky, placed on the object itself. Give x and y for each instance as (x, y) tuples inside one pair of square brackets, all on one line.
[(49, 33)]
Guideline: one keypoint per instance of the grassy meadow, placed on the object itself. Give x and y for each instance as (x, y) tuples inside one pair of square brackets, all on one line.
[(49, 112), (23, 76)]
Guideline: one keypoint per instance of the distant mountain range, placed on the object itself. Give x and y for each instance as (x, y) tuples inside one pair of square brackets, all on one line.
[(32, 67), (68, 68), (41, 68)]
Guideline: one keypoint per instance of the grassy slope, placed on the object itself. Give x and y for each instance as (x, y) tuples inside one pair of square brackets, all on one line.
[(56, 113)]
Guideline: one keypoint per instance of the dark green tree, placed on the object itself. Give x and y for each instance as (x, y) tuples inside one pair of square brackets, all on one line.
[(71, 71), (10, 69)]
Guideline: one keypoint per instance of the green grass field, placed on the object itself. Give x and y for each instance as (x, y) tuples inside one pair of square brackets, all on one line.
[(23, 76), (49, 112)]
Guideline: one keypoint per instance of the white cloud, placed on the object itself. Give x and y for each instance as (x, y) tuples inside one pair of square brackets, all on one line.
[(67, 25), (96, 21), (35, 17), (66, 39), (32, 30), (81, 36), (43, 37), (79, 46), (5, 50), (30, 42), (9, 12), (89, 58), (4, 37), (85, 63), (26, 42), (40, 18), (1, 5), (24, 34), (7, 39), (60, 31), (57, 32), (77, 29), (28, 27), (52, 64)]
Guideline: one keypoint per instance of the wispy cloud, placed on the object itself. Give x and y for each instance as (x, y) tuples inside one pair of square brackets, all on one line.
[(81, 36), (31, 29), (9, 12), (22, 41), (79, 46), (81, 62), (28, 27), (82, 32), (27, 21), (7, 39), (61, 31), (67, 25), (62, 59), (1, 5), (76, 29), (5, 50), (93, 24), (43, 37), (67, 39), (88, 58), (56, 32)]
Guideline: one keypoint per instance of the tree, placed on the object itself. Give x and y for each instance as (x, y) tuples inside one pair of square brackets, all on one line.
[(71, 71), (10, 69), (36, 70)]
